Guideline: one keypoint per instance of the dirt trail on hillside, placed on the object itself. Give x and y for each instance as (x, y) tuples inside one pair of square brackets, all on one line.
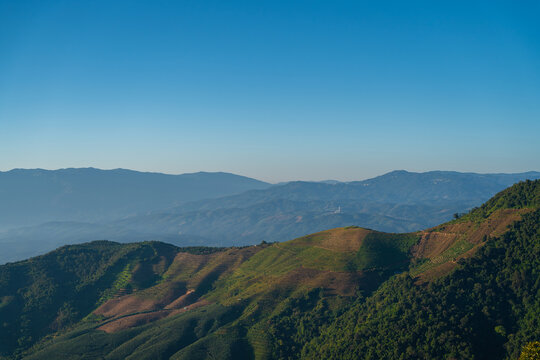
[(131, 320)]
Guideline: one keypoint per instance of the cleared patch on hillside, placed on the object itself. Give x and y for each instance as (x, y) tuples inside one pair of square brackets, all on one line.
[(341, 261), (185, 280), (182, 301), (444, 245), (433, 243), (341, 283), (129, 321), (345, 239), (339, 239), (139, 302)]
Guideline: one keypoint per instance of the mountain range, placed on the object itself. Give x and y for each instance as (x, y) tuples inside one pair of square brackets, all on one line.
[(399, 201), (35, 196), (464, 289)]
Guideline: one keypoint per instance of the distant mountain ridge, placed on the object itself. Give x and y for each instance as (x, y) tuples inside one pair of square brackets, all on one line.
[(399, 201), (33, 196), (396, 187)]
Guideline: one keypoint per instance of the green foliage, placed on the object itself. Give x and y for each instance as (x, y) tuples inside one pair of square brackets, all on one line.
[(459, 247), (177, 337), (488, 308), (531, 351), (302, 318), (382, 250), (525, 194), (51, 292), (201, 250)]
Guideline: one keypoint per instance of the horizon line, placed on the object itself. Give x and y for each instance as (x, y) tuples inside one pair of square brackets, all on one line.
[(273, 183)]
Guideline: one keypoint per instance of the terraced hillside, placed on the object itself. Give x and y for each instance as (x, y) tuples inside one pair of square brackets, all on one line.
[(294, 299)]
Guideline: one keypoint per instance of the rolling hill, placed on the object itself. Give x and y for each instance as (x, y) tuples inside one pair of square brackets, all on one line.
[(399, 201), (463, 289)]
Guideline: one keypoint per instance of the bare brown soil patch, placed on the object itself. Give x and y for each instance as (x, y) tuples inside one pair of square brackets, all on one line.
[(445, 268), (339, 239), (129, 321), (498, 223), (126, 304), (141, 301), (184, 300), (434, 243), (188, 277), (344, 239)]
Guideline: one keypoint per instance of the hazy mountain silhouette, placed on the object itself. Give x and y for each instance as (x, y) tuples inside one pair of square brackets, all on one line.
[(399, 201), (33, 196)]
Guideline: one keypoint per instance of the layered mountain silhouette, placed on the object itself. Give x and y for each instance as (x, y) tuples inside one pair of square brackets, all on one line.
[(399, 201), (463, 289), (34, 196)]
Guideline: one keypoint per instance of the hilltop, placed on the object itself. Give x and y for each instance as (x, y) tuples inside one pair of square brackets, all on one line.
[(338, 293), (399, 201)]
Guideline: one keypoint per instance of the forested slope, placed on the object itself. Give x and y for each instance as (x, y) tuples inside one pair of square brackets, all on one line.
[(464, 289)]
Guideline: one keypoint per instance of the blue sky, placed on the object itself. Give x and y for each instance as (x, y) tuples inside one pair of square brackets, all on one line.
[(277, 90)]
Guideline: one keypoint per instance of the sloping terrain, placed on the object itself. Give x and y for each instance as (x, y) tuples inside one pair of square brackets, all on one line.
[(488, 307), (399, 201), (339, 293)]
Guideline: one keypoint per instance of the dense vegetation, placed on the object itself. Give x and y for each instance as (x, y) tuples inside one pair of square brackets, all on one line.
[(487, 309), (524, 194), (194, 333), (346, 293), (53, 291)]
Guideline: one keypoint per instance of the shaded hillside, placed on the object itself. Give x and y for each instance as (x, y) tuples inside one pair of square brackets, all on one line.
[(34, 196), (487, 309), (341, 293), (50, 292)]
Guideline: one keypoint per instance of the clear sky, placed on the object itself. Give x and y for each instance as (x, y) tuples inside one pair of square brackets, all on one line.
[(276, 90)]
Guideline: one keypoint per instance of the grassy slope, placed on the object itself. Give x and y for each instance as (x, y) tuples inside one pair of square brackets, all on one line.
[(488, 308), (255, 293), (50, 292), (254, 279)]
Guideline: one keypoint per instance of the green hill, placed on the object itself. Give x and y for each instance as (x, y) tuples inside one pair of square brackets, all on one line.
[(465, 289)]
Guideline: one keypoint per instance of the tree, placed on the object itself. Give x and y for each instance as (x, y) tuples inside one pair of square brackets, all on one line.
[(531, 351)]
